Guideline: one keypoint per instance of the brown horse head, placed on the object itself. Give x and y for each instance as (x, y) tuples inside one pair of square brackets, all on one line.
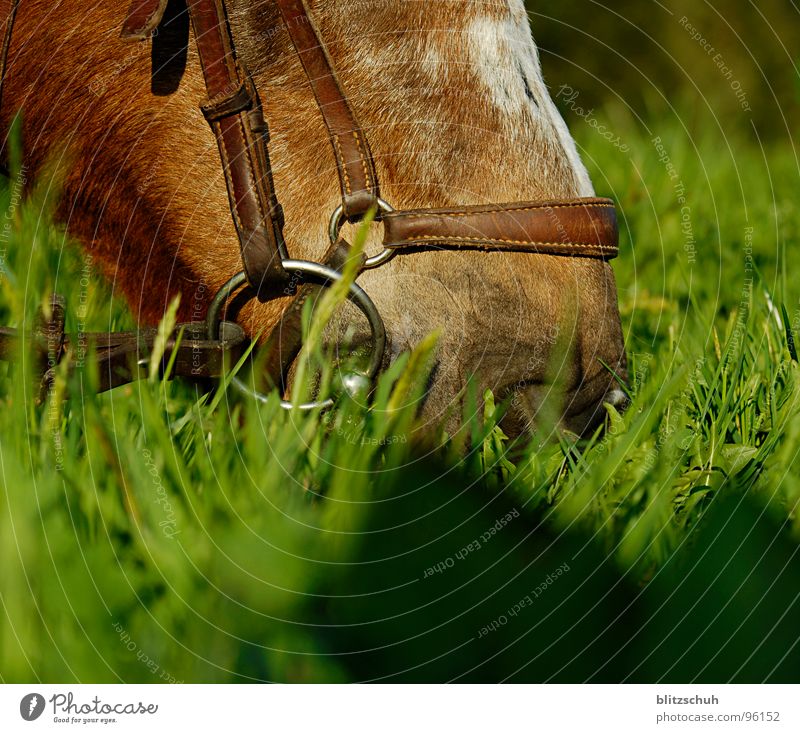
[(451, 97)]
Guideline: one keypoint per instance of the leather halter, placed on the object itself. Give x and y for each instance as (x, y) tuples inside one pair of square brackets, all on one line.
[(585, 227), (575, 228)]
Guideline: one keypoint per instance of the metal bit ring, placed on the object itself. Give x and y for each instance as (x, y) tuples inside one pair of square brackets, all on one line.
[(327, 276)]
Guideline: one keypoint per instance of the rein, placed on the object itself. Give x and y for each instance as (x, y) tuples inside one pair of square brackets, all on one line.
[(585, 227)]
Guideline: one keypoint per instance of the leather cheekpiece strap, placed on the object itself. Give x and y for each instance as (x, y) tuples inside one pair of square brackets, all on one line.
[(357, 178), (286, 339), (578, 228), (234, 112)]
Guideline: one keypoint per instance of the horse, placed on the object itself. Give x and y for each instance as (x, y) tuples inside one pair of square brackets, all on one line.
[(450, 95)]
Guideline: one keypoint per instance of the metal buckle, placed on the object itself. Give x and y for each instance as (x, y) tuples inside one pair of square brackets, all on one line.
[(327, 276), (337, 222)]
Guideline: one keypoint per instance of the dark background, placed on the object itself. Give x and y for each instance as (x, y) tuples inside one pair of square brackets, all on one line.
[(636, 53)]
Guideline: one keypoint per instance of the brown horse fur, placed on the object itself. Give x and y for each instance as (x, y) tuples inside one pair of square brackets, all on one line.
[(452, 99)]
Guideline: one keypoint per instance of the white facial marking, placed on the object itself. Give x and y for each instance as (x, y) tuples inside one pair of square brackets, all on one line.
[(507, 60)]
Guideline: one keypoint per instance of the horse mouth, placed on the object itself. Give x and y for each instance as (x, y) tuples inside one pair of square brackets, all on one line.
[(580, 410)]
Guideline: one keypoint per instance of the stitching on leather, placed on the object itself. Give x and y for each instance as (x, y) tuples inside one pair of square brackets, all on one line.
[(342, 164), (235, 203), (363, 158), (226, 167), (399, 215), (249, 166), (465, 240)]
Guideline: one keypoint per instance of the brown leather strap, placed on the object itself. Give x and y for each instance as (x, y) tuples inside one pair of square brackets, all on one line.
[(143, 18), (286, 339), (234, 112), (359, 183), (577, 228), (122, 358)]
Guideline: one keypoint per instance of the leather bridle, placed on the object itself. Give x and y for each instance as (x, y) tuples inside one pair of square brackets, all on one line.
[(585, 227)]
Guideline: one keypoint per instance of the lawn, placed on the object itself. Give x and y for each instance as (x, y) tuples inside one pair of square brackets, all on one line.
[(159, 533)]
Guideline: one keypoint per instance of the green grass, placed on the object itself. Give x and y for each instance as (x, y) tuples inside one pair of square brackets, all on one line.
[(157, 533)]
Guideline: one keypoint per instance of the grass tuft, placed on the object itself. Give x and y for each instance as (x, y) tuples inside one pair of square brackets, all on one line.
[(157, 533)]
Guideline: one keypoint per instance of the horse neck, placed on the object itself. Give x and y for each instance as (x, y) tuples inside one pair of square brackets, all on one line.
[(450, 95)]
